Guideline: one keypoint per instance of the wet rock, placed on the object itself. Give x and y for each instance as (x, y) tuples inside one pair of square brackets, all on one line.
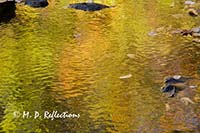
[(37, 3), (88, 6), (7, 10), (175, 84), (169, 89), (176, 79)]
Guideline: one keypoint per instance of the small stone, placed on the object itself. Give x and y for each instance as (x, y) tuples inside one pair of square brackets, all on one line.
[(37, 3)]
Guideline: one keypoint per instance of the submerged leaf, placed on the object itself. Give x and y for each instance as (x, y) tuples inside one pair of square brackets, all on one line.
[(131, 56), (126, 76), (187, 100), (193, 86), (167, 107)]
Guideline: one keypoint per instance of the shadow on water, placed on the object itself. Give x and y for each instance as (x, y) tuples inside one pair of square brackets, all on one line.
[(58, 59)]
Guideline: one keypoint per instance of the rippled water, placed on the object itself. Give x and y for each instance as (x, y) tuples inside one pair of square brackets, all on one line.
[(57, 59)]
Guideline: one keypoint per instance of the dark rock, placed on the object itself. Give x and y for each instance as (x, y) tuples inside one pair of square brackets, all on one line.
[(167, 88), (37, 3), (175, 84), (88, 6), (7, 11), (176, 79), (172, 90)]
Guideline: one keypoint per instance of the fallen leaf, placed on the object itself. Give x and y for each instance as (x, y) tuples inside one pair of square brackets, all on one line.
[(126, 76), (187, 100), (131, 56), (193, 86), (167, 107)]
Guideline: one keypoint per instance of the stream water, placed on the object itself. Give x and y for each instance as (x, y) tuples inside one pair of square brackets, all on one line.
[(59, 59)]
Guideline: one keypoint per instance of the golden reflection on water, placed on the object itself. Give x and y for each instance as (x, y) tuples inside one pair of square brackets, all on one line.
[(62, 59)]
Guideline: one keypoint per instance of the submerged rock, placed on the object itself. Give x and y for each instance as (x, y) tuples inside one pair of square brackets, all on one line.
[(7, 10), (37, 3), (172, 90), (88, 6), (176, 79), (175, 84)]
